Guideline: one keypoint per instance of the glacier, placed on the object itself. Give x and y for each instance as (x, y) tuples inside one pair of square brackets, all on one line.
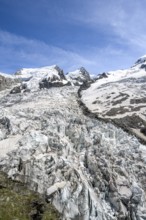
[(88, 168)]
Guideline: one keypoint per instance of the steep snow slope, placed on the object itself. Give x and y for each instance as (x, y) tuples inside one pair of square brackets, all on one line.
[(121, 96), (89, 170)]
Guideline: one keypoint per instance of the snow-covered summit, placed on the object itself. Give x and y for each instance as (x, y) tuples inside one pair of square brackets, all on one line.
[(79, 76), (41, 77), (33, 79), (51, 72)]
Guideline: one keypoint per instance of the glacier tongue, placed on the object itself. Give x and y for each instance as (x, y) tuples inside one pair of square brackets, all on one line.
[(89, 170)]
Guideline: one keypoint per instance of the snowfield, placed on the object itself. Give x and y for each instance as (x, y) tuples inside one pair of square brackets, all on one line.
[(120, 95)]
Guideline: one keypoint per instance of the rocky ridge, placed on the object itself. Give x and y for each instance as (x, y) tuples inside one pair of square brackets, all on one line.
[(88, 169)]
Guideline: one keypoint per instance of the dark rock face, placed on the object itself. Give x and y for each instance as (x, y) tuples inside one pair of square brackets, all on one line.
[(37, 210), (45, 84), (103, 75), (85, 73), (60, 73), (143, 130), (15, 90), (143, 66), (141, 60), (138, 101), (20, 89)]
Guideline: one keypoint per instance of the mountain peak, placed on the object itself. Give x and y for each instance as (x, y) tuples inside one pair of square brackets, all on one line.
[(38, 71), (41, 77), (79, 76)]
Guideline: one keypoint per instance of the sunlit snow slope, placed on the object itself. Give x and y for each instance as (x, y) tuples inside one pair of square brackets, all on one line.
[(121, 96)]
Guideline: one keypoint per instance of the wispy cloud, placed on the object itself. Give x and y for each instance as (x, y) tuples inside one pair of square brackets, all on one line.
[(124, 19), (120, 24), (17, 52)]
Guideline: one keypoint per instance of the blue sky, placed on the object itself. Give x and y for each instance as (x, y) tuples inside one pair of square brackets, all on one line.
[(100, 35)]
